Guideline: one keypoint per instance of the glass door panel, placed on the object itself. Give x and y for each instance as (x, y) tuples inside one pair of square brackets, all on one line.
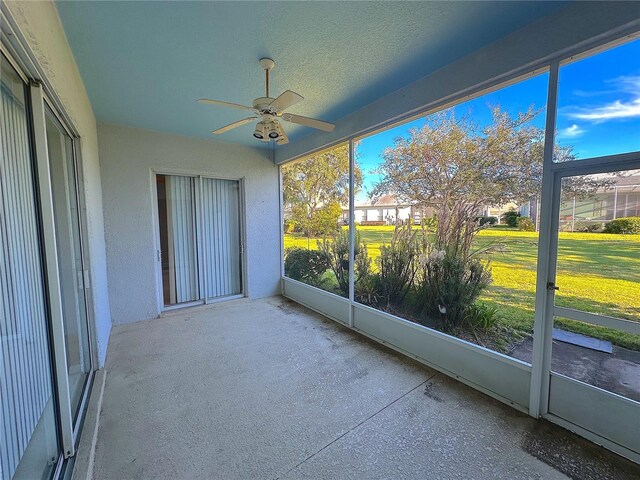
[(29, 445), (221, 231), (178, 239), (70, 261), (597, 304)]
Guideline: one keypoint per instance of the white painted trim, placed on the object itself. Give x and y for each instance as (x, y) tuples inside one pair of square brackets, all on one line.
[(244, 255), (594, 319), (448, 338), (590, 166), (281, 216), (542, 326), (318, 300), (352, 228), (90, 317), (52, 272), (603, 413), (593, 437), (157, 262), (178, 306)]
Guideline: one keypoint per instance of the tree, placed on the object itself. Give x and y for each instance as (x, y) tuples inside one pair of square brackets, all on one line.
[(456, 167), (315, 188)]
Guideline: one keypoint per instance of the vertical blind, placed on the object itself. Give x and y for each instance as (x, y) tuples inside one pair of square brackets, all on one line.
[(25, 375), (221, 230), (181, 191)]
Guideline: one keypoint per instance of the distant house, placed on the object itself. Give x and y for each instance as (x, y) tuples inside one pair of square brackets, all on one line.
[(386, 209)]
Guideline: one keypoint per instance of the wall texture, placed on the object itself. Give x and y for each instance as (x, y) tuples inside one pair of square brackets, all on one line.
[(128, 156), (41, 27)]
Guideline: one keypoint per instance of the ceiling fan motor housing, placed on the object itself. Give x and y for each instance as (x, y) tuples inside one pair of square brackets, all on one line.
[(262, 104)]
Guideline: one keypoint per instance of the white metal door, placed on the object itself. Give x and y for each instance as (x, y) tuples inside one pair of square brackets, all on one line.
[(593, 363)]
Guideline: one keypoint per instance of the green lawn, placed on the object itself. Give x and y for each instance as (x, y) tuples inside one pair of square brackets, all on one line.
[(597, 272)]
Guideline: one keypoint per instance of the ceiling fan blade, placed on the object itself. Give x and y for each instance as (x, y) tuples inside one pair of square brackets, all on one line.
[(225, 104), (282, 139), (308, 122), (285, 100), (233, 125)]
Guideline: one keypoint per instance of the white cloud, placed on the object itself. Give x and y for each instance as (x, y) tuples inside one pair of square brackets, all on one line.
[(571, 132), (629, 107), (617, 109)]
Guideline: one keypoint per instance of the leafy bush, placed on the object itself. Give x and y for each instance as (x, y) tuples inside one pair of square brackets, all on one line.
[(481, 315), (307, 266), (367, 289), (451, 276), (588, 227), (482, 221), (288, 226), (511, 218), (625, 225), (449, 284), (336, 250), (526, 224), (397, 264)]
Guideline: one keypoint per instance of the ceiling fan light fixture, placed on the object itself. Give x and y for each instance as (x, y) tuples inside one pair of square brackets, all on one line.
[(273, 131), (259, 132)]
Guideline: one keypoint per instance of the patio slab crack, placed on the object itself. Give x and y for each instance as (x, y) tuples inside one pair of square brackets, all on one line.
[(358, 425)]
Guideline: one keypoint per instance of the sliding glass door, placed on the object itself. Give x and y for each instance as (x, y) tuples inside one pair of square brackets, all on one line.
[(221, 237), (29, 446), (70, 256), (199, 236), (178, 239)]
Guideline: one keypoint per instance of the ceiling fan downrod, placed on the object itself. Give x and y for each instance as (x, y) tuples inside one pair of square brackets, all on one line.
[(267, 64)]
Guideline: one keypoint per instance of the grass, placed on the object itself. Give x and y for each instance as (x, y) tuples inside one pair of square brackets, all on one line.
[(597, 273)]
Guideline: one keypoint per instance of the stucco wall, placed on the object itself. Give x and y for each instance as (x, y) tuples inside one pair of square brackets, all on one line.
[(127, 157), (41, 27)]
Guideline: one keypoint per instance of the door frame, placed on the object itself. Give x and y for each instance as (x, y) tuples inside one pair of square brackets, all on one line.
[(583, 397), (198, 175)]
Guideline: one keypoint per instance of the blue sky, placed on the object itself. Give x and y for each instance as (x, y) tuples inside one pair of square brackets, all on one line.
[(598, 108)]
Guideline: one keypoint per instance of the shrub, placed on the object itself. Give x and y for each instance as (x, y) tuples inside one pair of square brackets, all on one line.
[(625, 225), (450, 283), (336, 250), (307, 266), (588, 227), (288, 226), (397, 262), (511, 218), (526, 224), (367, 289), (373, 223), (481, 315), (451, 276), (482, 221)]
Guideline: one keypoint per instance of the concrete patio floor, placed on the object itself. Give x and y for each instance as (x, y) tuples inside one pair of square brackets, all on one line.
[(268, 389)]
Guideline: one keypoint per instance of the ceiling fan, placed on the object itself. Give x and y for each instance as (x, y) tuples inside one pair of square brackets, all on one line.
[(269, 111)]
